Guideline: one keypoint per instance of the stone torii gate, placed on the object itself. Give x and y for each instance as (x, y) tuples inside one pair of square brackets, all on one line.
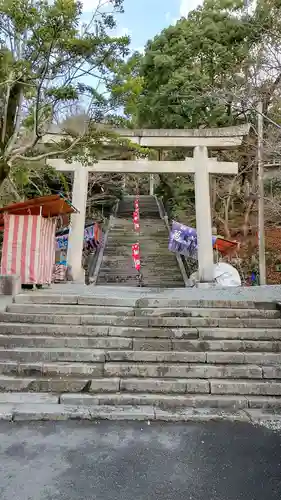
[(199, 141)]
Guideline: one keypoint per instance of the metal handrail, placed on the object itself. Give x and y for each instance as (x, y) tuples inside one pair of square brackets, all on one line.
[(99, 259), (164, 216)]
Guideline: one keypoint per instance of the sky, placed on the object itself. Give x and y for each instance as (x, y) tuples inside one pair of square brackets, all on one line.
[(143, 19)]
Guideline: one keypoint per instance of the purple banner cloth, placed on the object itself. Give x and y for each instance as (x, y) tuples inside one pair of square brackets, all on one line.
[(183, 240)]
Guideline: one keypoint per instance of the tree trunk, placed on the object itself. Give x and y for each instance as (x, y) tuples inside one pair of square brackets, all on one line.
[(4, 170)]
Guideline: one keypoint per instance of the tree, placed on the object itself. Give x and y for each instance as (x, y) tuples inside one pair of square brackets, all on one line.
[(210, 70), (50, 68)]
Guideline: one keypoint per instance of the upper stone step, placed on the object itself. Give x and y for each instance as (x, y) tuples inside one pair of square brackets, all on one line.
[(135, 301), (142, 321), (147, 349), (131, 311), (162, 338)]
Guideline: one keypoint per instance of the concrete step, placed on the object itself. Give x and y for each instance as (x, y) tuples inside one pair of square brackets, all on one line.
[(122, 223), (39, 374), (131, 311), (20, 412), (117, 280), (54, 381), (157, 271), (167, 401), (183, 339), (21, 370), (146, 351), (208, 312), (149, 279), (118, 271), (150, 239), (147, 260), (64, 309), (147, 228), (54, 330), (27, 354), (127, 301), (148, 282), (104, 280), (227, 346), (154, 272), (33, 341), (162, 263), (146, 364), (268, 360), (167, 406), (118, 250), (127, 239), (189, 370), (153, 248), (163, 286), (134, 284), (54, 412), (142, 321), (125, 390)]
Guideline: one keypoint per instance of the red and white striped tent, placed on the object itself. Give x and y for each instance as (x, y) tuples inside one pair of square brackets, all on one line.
[(29, 238)]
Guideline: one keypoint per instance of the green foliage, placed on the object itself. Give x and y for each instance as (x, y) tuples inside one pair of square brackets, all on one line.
[(127, 88), (45, 58), (207, 70), (186, 67), (40, 180)]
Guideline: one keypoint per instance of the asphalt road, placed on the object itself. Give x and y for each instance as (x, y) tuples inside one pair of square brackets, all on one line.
[(134, 461)]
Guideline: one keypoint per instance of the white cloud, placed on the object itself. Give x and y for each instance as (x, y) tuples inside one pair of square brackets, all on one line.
[(187, 5), (139, 49), (90, 5), (123, 32)]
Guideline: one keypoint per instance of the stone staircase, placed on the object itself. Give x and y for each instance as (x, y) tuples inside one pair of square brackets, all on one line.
[(92, 356), (159, 266)]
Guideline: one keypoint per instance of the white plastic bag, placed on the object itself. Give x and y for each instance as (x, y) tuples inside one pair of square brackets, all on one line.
[(225, 275)]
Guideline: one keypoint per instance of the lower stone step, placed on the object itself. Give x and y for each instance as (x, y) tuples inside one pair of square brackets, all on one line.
[(188, 370), (166, 401), (159, 339), (21, 412), (59, 412), (47, 342), (157, 401), (25, 355), (99, 385)]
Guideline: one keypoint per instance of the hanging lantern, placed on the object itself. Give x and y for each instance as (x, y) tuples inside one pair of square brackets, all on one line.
[(136, 246), (137, 265), (136, 255), (135, 250)]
